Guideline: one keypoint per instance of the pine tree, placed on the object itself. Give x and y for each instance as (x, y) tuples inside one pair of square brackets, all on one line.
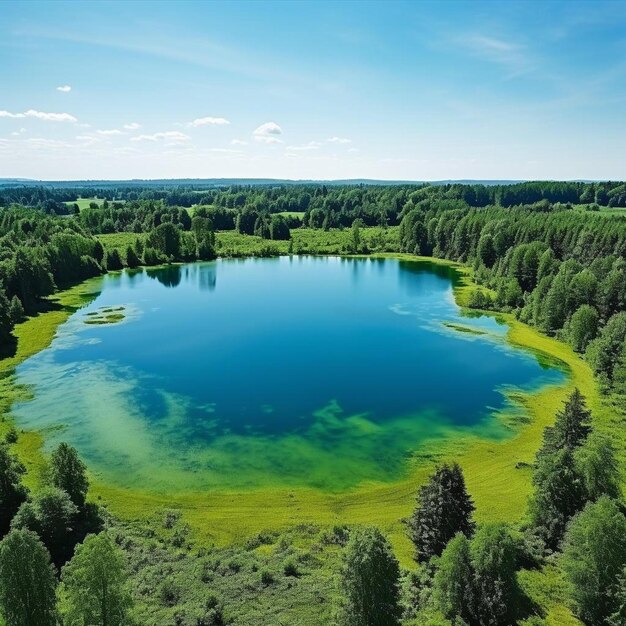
[(16, 310), (68, 472), (132, 260), (6, 321), (444, 509), (559, 494), (12, 492), (571, 427)]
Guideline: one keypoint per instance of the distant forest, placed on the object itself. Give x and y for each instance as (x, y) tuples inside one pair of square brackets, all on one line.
[(366, 201), (553, 253)]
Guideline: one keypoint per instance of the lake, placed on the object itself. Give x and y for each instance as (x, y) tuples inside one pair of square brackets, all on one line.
[(319, 372)]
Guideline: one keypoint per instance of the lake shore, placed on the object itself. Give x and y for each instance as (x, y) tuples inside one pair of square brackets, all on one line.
[(492, 467)]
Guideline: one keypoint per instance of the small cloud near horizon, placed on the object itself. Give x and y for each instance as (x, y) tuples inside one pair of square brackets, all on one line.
[(170, 135), (209, 121), (64, 88), (268, 133), (339, 140), (40, 115)]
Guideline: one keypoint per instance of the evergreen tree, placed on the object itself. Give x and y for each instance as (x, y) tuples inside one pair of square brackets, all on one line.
[(571, 427), (487, 250), (559, 494), (16, 310), (355, 236), (603, 352), (27, 581), (113, 260), (444, 508), (12, 492), (139, 247), (618, 618), (598, 467), (619, 373), (132, 260), (206, 248), (370, 581), (94, 586), (583, 327), (68, 472), (6, 318)]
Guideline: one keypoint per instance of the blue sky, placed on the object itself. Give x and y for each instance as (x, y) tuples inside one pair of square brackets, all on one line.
[(390, 90)]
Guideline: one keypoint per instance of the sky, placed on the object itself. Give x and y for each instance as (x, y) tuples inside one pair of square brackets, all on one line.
[(313, 90)]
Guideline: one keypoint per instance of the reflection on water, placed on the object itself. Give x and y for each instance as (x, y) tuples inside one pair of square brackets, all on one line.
[(302, 370)]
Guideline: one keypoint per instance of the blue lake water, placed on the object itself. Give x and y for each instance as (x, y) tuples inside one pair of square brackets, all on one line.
[(314, 371)]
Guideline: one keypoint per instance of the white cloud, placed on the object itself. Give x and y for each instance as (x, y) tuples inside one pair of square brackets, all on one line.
[(267, 133), (339, 140), (113, 131), (238, 142), (225, 151), (312, 145), (132, 126), (172, 136), (64, 88), (209, 121), (87, 140), (40, 115)]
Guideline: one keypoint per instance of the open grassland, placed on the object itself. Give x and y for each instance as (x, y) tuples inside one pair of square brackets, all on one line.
[(121, 241), (498, 472), (83, 203), (299, 214), (303, 241)]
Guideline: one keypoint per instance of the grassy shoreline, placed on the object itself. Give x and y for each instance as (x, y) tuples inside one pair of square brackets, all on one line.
[(497, 471)]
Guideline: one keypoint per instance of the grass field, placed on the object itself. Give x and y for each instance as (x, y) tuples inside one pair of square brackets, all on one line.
[(498, 472), (303, 241), (299, 214), (121, 241), (83, 203)]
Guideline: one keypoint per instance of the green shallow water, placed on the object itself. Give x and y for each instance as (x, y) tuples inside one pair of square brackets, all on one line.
[(302, 371)]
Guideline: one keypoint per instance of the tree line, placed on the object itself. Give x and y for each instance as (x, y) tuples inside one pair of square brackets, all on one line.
[(58, 565), (276, 197), (40, 253), (559, 270)]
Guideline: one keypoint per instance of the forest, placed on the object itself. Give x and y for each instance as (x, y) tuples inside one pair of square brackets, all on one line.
[(550, 254)]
